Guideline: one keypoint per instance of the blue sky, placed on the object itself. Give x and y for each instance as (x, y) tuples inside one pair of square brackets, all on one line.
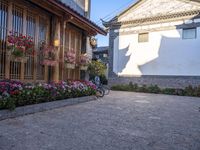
[(107, 9)]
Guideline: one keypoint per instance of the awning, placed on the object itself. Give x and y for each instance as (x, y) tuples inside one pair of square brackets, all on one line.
[(78, 17)]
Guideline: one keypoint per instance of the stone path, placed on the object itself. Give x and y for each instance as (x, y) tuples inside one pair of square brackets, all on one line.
[(120, 121)]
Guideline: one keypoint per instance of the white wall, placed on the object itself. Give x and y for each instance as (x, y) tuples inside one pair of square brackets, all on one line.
[(166, 53)]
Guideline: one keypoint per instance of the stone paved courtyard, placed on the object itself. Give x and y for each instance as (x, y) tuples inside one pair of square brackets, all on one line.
[(120, 121)]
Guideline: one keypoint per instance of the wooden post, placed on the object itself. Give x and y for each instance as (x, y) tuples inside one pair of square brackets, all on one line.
[(36, 49), (24, 33), (57, 37), (7, 69), (63, 49)]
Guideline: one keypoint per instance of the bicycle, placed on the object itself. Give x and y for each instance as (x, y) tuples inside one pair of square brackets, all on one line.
[(100, 91), (103, 90), (106, 89)]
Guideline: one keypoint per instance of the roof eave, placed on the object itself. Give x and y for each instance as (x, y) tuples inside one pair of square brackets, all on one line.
[(83, 19)]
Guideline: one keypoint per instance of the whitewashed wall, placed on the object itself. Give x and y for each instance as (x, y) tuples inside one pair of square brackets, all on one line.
[(166, 53)]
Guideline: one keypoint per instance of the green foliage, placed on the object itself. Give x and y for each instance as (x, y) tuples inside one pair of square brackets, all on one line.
[(169, 91), (154, 89), (9, 103), (103, 79), (188, 91), (96, 68)]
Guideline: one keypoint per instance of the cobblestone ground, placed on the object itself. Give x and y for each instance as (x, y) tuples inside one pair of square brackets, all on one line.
[(120, 121)]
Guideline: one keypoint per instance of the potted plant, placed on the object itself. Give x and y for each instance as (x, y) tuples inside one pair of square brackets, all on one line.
[(19, 47), (49, 54), (70, 59), (84, 61)]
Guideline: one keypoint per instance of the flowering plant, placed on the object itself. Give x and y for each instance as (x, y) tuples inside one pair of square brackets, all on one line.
[(70, 57), (84, 60), (49, 54), (14, 93), (20, 45), (10, 88)]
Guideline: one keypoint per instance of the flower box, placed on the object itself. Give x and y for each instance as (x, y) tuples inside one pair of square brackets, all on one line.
[(83, 68), (48, 62), (17, 59), (70, 66)]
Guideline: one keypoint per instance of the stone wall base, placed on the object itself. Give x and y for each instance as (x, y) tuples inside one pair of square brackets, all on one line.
[(30, 109), (161, 81)]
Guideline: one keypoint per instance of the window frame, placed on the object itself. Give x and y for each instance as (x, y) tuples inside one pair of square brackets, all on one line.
[(184, 29), (143, 41)]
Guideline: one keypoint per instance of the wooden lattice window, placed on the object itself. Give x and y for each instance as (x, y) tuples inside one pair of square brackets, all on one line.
[(17, 26), (3, 35), (30, 31), (73, 38), (43, 30)]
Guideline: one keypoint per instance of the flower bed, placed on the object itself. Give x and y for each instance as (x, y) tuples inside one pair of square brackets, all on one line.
[(14, 93)]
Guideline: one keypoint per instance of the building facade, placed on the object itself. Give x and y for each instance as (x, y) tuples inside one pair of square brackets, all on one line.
[(156, 42), (57, 23)]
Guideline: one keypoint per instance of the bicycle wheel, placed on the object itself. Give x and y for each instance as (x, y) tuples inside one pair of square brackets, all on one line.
[(106, 89), (100, 92)]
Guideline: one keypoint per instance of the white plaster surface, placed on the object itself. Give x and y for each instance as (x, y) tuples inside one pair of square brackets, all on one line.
[(166, 53)]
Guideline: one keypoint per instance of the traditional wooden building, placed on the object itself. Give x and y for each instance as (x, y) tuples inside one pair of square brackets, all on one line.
[(156, 42), (63, 24)]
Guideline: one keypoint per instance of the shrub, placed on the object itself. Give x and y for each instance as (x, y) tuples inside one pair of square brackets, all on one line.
[(169, 91), (154, 89), (96, 68), (188, 91), (143, 88)]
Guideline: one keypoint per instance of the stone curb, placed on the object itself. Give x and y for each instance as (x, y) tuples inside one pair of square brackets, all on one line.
[(30, 109)]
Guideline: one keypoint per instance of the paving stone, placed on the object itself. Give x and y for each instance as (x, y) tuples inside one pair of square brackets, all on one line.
[(116, 122)]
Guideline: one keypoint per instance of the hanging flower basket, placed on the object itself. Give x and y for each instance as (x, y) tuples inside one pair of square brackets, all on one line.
[(84, 61), (49, 53), (70, 66), (19, 46), (83, 68), (70, 59)]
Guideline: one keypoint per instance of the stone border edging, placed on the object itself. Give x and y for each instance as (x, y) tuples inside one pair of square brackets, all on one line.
[(30, 109)]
